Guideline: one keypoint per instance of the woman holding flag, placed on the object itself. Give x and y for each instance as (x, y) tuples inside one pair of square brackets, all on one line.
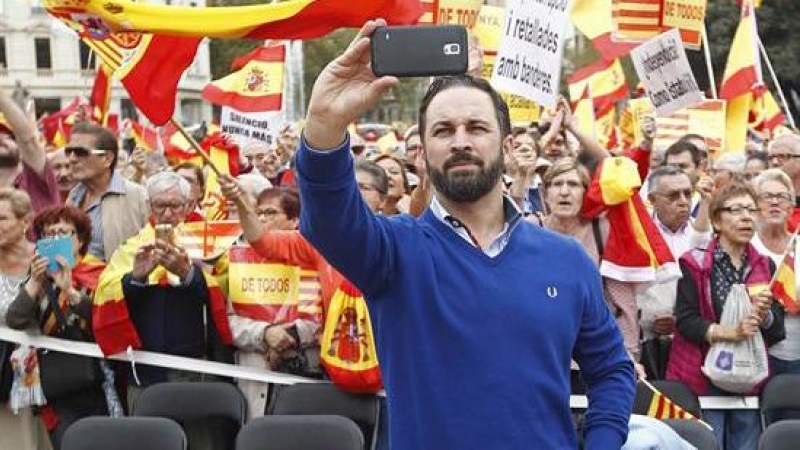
[(775, 193), (708, 276)]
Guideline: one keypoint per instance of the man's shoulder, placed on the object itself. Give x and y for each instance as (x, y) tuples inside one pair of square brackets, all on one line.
[(547, 239)]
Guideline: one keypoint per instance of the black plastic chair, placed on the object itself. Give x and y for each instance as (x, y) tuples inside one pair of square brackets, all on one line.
[(327, 399), (783, 435), (676, 391), (780, 399), (211, 413), (127, 433), (694, 433), (300, 433)]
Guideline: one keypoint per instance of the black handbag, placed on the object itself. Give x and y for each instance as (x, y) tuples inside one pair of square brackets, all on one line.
[(61, 373), (655, 356)]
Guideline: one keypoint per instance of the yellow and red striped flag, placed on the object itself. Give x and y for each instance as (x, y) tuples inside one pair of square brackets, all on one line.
[(593, 19), (256, 87), (743, 69), (606, 82), (640, 20), (662, 407), (208, 239), (784, 286), (146, 137), (765, 114), (455, 12), (100, 98), (292, 19)]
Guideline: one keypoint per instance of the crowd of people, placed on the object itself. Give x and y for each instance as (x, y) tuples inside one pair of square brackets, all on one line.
[(483, 312)]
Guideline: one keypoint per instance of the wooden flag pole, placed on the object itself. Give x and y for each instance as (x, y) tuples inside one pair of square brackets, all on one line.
[(196, 146), (777, 83), (712, 81)]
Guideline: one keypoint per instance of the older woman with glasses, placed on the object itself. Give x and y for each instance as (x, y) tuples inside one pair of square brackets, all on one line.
[(775, 200), (70, 289), (708, 276)]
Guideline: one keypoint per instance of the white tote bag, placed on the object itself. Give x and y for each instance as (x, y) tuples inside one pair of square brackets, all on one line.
[(737, 366)]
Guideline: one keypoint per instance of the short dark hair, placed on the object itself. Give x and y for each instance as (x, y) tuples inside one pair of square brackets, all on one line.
[(70, 214), (104, 138), (377, 173), (682, 146), (760, 156), (660, 172), (289, 200), (442, 84)]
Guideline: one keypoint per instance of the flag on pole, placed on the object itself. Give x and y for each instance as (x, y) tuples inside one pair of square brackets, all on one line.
[(593, 19), (784, 287), (606, 82), (743, 69), (100, 97), (256, 87), (662, 407), (146, 137), (292, 19), (765, 114)]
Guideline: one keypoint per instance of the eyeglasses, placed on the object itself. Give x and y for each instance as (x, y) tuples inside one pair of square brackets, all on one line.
[(738, 210), (161, 208), (783, 157), (58, 232), (268, 212), (82, 152), (674, 196), (775, 196)]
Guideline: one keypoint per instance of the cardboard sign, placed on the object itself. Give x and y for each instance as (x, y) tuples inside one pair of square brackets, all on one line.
[(662, 66), (706, 119), (245, 127), (529, 59)]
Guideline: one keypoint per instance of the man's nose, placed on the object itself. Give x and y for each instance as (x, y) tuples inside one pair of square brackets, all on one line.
[(461, 139)]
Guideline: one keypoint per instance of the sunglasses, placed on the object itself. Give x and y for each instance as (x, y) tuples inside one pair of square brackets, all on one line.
[(82, 152)]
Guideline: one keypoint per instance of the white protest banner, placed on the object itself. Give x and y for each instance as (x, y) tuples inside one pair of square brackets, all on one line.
[(664, 69), (529, 59), (245, 127)]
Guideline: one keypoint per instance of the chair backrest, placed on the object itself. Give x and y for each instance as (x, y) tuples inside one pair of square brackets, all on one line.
[(127, 433), (300, 433), (783, 435), (781, 395), (694, 433), (674, 390), (327, 399), (211, 413)]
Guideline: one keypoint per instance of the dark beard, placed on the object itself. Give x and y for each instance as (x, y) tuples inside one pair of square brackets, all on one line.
[(466, 188), (8, 160)]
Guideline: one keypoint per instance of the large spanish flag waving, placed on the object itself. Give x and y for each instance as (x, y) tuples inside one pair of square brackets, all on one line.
[(292, 19), (606, 81), (256, 87), (111, 322), (593, 19), (101, 95)]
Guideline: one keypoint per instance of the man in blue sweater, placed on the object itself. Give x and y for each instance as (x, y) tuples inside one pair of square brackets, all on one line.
[(476, 312)]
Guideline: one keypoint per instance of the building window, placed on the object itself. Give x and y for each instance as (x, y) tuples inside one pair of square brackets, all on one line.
[(86, 56), (43, 59), (3, 60), (46, 105), (191, 110)]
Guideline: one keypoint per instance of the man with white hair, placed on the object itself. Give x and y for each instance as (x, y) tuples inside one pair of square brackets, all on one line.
[(164, 293), (784, 154)]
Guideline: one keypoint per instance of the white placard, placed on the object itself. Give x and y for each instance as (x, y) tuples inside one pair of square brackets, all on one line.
[(529, 59), (245, 127), (664, 69)]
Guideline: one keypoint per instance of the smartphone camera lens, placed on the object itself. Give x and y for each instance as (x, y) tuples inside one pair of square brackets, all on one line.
[(386, 36)]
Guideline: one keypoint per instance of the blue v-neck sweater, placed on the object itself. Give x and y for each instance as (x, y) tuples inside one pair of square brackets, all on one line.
[(474, 351)]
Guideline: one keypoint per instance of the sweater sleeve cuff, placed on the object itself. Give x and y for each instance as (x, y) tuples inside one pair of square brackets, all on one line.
[(323, 166), (603, 437)]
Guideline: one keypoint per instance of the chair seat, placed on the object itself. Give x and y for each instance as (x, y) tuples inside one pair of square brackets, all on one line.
[(300, 433)]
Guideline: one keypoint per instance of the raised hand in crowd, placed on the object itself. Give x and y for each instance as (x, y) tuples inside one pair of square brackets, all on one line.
[(139, 162), (344, 91), (144, 262), (38, 278), (173, 258), (648, 129), (252, 228), (63, 279)]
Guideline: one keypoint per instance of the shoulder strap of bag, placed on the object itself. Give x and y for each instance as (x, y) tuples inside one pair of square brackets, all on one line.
[(52, 298), (598, 237)]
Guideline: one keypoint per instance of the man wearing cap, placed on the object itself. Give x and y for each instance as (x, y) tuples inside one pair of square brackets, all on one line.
[(117, 207)]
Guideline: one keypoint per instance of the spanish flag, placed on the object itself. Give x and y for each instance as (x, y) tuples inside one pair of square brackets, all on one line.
[(583, 110), (53, 124), (256, 87), (224, 154), (205, 240), (635, 250), (593, 19), (606, 82), (148, 65), (292, 19), (784, 286), (146, 137), (765, 114), (113, 329), (100, 98), (662, 407)]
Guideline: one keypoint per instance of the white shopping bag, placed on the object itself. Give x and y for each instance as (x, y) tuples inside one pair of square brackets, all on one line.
[(737, 366)]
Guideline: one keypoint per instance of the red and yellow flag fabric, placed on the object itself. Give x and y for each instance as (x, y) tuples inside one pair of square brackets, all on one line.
[(606, 127), (784, 288), (111, 322), (146, 137), (136, 59), (453, 12), (56, 127), (606, 81), (743, 69), (208, 239), (593, 19), (640, 20), (256, 87), (292, 19), (100, 98), (661, 407), (635, 250), (706, 119), (765, 114)]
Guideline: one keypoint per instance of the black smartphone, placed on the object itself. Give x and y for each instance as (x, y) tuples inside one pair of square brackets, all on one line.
[(129, 145), (419, 50)]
